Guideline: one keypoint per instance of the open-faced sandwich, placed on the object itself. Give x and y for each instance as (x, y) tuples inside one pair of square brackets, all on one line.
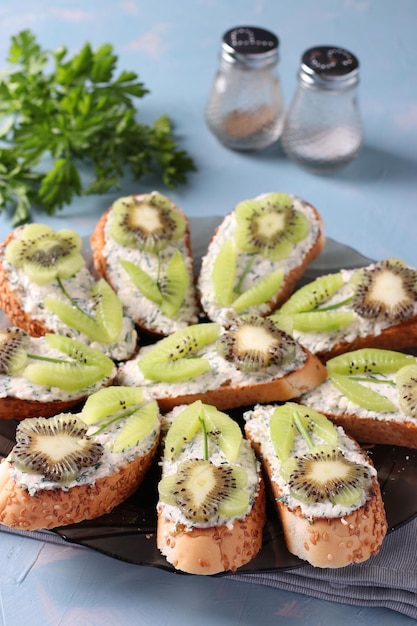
[(43, 376), (257, 255), (46, 287), (374, 306), (142, 246), (73, 467), (252, 360), (372, 393), (324, 486), (211, 507)]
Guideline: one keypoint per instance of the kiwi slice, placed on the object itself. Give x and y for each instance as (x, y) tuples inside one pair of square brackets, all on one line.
[(290, 418), (109, 310), (148, 222), (368, 361), (269, 226), (388, 289), (262, 291), (321, 321), (224, 273), (406, 381), (85, 367), (13, 344), (105, 326), (175, 358), (313, 294), (44, 254), (217, 425), (361, 395), (143, 282), (224, 430), (174, 285), (56, 447), (252, 343), (184, 427), (325, 474), (137, 426), (110, 401), (203, 490)]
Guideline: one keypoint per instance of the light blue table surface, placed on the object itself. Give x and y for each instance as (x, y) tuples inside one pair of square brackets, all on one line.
[(371, 205)]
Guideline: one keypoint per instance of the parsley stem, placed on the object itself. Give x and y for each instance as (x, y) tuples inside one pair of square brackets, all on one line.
[(71, 299), (205, 438), (244, 274), (302, 430)]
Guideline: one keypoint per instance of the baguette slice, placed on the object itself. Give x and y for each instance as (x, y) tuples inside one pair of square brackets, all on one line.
[(360, 417), (220, 542), (327, 535), (249, 268), (224, 384), (23, 300), (385, 317), (22, 397), (30, 501), (108, 254)]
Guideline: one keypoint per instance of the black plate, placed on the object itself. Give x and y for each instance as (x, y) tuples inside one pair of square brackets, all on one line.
[(128, 532)]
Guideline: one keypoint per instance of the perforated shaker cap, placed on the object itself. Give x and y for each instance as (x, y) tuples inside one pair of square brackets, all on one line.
[(255, 48), (329, 67)]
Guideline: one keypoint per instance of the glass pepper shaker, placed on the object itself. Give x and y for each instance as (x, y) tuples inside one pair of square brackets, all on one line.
[(322, 130), (245, 108)]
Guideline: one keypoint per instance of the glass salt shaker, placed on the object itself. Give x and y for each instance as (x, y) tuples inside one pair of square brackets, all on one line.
[(245, 108), (322, 130)]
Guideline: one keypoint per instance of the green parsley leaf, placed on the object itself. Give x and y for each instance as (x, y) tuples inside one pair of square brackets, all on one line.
[(75, 111)]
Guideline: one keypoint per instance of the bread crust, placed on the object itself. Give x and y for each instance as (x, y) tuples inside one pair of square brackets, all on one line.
[(19, 409), (398, 337), (376, 430), (330, 542), (292, 385), (215, 549), (98, 241), (51, 508)]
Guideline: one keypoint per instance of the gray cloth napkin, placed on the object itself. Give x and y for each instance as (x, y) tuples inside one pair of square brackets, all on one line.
[(387, 580)]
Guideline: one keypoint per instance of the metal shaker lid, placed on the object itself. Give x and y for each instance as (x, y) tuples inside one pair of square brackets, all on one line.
[(329, 67), (255, 48)]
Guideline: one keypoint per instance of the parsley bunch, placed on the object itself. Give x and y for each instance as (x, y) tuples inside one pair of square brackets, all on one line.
[(72, 111)]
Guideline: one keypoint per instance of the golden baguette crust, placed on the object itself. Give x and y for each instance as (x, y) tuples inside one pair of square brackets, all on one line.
[(51, 508), (19, 409), (400, 336), (376, 429), (292, 385), (98, 241), (330, 542), (294, 275), (215, 549)]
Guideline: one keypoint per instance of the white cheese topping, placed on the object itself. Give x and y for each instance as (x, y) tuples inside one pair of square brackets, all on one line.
[(221, 373), (257, 423), (138, 307), (260, 267)]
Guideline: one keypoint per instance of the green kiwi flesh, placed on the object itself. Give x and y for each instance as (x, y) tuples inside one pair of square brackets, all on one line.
[(13, 355), (361, 395), (44, 254), (406, 381), (368, 360), (110, 401), (313, 294)]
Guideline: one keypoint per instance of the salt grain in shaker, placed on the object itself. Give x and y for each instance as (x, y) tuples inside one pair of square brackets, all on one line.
[(323, 131), (245, 108)]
